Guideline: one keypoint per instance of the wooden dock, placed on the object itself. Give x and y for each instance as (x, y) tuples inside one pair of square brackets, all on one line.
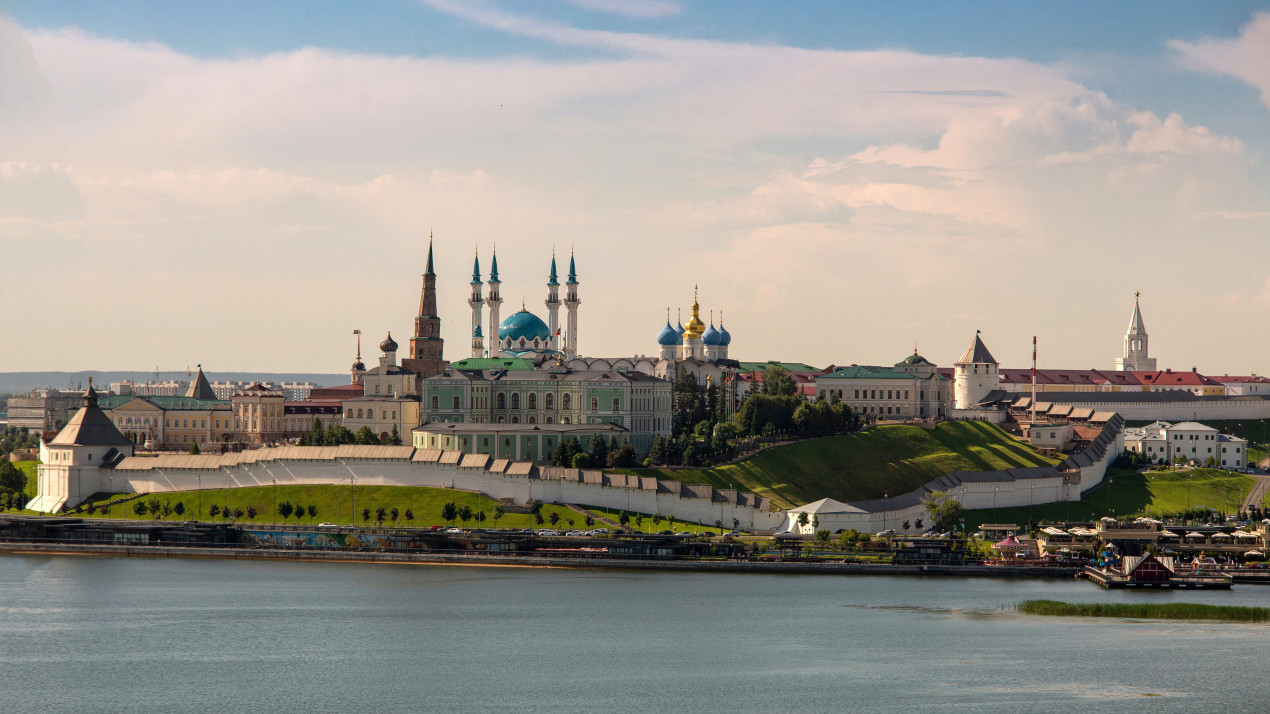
[(1198, 581)]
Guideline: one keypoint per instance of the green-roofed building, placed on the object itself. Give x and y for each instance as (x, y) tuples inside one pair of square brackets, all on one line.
[(911, 389), (480, 364), (749, 367)]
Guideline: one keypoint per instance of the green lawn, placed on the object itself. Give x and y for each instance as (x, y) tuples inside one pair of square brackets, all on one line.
[(890, 459), (649, 527), (29, 468), (1156, 493), (426, 503)]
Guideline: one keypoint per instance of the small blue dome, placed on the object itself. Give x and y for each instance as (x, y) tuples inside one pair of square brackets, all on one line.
[(523, 324), (680, 328), (725, 337), (669, 337), (711, 336)]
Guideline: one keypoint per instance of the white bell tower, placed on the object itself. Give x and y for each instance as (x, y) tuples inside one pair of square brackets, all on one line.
[(1136, 356)]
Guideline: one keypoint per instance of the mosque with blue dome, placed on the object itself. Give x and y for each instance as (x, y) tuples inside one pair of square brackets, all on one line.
[(697, 347)]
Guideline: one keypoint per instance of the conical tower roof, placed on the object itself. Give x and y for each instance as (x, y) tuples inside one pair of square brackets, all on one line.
[(90, 426), (977, 353), (1136, 327), (200, 388)]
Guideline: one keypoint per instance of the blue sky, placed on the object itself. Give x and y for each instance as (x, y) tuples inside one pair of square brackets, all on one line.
[(896, 149)]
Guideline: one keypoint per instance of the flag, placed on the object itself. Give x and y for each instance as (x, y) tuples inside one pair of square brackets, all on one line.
[(557, 332)]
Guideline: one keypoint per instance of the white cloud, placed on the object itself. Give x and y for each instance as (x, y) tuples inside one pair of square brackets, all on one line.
[(1246, 57), (631, 8), (838, 205)]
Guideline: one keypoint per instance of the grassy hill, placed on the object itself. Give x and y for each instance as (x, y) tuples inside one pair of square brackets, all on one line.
[(891, 459), (1162, 492)]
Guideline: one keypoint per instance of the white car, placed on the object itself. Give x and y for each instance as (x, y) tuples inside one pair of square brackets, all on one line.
[(453, 529), (546, 532), (885, 533), (600, 531), (732, 533)]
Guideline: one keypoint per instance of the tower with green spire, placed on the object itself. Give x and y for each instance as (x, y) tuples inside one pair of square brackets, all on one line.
[(475, 302), (571, 303), (493, 302), (553, 305), (427, 347)]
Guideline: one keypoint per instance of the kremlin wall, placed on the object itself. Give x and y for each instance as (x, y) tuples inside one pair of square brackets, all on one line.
[(531, 381)]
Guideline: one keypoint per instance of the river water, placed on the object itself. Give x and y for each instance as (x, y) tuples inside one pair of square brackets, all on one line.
[(119, 634)]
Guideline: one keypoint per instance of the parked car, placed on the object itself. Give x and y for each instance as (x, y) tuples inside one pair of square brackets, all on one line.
[(573, 534), (886, 533), (546, 532), (732, 533), (435, 528), (453, 529), (666, 533), (327, 525), (600, 531)]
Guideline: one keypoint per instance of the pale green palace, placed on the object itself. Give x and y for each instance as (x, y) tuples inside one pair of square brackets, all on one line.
[(529, 410)]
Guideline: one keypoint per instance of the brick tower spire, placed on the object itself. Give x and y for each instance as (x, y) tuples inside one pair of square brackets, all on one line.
[(426, 346)]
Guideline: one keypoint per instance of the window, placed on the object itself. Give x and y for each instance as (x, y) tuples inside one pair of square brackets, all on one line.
[(565, 420), (595, 404), (350, 414), (456, 402), (515, 420), (436, 402), (616, 404), (906, 394), (533, 401), (566, 401), (533, 419), (394, 414), (377, 389), (502, 402), (549, 401), (857, 394), (359, 413), (551, 420), (515, 401), (485, 441), (383, 414)]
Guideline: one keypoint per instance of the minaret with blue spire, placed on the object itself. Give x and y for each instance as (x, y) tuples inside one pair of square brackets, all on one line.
[(553, 306), (571, 303), (475, 301), (493, 302)]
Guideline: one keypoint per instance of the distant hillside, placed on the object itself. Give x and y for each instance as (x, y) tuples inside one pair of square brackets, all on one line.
[(18, 382), (886, 459)]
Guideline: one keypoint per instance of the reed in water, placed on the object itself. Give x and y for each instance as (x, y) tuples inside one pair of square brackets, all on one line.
[(1155, 611)]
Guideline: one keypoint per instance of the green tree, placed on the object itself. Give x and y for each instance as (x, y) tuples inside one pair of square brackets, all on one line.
[(179, 509), (212, 510), (338, 435), (194, 448), (11, 477), (312, 509), (499, 512), (465, 513), (395, 515), (599, 451), (155, 507), (365, 436), (822, 537), (252, 512), (410, 516), (803, 520), (777, 382), (299, 511), (553, 517), (285, 509), (623, 457), (624, 519), (581, 461), (365, 515), (449, 512), (394, 438), (381, 513), (317, 435), (139, 507), (944, 510)]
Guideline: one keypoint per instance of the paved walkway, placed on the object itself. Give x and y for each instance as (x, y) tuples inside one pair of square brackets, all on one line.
[(1258, 491)]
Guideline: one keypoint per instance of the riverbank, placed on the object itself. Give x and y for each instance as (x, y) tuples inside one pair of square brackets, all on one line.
[(538, 561)]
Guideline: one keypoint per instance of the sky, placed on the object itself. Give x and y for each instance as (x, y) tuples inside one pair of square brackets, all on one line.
[(242, 184)]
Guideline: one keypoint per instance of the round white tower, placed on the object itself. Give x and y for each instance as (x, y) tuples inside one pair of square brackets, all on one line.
[(493, 302), (974, 375), (553, 306)]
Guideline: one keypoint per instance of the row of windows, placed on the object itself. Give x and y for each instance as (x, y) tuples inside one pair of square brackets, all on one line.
[(886, 394), (566, 402), (370, 414)]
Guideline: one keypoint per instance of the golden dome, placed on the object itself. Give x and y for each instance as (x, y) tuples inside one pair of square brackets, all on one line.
[(694, 328)]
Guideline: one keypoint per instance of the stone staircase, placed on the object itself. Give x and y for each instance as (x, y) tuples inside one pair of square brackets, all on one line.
[(599, 518)]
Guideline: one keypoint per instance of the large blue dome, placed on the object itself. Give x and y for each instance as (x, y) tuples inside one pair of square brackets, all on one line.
[(669, 337), (725, 337), (523, 324), (711, 336)]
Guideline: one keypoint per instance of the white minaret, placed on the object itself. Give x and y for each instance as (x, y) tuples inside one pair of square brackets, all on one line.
[(1135, 357), (493, 301), (571, 303), (974, 375), (553, 306), (475, 301)]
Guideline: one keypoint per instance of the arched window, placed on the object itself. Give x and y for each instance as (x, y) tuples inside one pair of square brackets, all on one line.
[(533, 401), (500, 420), (566, 401), (359, 413), (549, 402), (533, 419), (502, 402), (515, 420), (564, 420), (515, 401), (550, 420), (350, 414)]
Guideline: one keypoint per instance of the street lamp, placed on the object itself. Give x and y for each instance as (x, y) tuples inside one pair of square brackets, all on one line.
[(352, 480), (199, 478), (275, 495), (994, 502)]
